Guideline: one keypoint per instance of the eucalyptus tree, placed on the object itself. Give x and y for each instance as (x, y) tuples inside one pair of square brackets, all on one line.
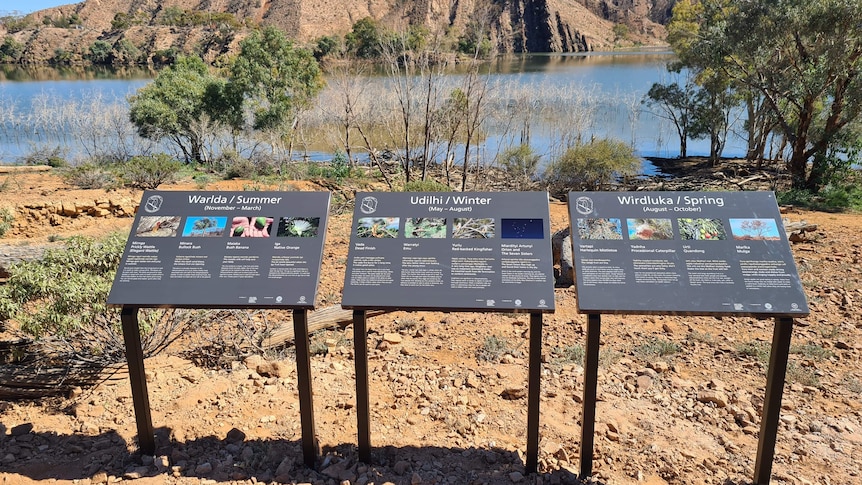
[(178, 105), (274, 79), (677, 103), (803, 57)]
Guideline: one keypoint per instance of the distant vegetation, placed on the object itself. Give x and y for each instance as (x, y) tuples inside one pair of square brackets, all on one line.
[(794, 68), (796, 90)]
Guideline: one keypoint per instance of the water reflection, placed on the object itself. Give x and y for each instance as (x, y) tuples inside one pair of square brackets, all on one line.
[(547, 100)]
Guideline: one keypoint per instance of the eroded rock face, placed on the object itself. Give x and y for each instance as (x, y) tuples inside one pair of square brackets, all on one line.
[(516, 25)]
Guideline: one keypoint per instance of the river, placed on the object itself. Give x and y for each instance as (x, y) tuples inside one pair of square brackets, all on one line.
[(547, 100)]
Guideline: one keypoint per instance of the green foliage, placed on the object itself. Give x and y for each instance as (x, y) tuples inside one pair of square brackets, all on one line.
[(178, 17), (340, 166), (121, 21), (676, 103), (364, 39), (426, 186), (149, 171), (327, 45), (61, 298), (657, 347), (51, 156), (838, 195), (10, 50), (176, 105), (621, 32), (16, 23), (812, 351), (521, 164), (90, 175), (62, 56), (166, 57), (803, 56), (591, 166), (126, 52), (6, 220), (100, 52), (572, 354), (494, 348), (757, 349), (274, 78)]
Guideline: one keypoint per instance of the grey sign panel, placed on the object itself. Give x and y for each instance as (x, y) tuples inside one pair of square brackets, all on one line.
[(450, 251), (223, 250), (697, 253)]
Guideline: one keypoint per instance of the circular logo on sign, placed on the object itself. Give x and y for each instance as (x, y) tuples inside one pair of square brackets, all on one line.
[(584, 205), (368, 205), (768, 306), (153, 203)]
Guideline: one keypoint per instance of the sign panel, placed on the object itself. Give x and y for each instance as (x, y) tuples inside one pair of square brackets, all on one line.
[(698, 253), (450, 250), (223, 250)]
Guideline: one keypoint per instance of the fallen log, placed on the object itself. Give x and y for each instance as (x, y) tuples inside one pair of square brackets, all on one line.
[(324, 318)]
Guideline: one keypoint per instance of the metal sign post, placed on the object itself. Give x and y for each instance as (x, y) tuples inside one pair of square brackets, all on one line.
[(685, 253), (256, 250), (441, 251), (772, 401), (591, 378), (138, 379)]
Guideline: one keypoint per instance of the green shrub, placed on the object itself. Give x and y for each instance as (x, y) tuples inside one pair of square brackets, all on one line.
[(11, 50), (658, 347), (90, 176), (60, 299), (520, 163), (493, 348), (591, 166), (425, 186), (6, 219), (150, 171), (53, 157), (758, 350)]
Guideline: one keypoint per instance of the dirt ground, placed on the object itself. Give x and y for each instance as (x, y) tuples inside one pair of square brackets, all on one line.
[(442, 415)]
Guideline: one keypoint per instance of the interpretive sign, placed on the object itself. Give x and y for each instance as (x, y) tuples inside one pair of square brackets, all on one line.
[(447, 250), (698, 253), (223, 250)]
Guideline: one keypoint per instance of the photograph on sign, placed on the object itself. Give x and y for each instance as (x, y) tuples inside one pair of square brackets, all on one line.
[(223, 250), (704, 253), (459, 251)]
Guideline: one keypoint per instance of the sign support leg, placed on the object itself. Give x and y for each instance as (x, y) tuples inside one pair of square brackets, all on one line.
[(591, 379), (534, 389), (303, 380), (138, 380), (360, 359), (772, 402)]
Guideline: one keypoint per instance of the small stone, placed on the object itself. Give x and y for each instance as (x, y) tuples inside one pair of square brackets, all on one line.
[(516, 477), (21, 429), (100, 477), (514, 393), (204, 468), (644, 382), (716, 397), (284, 468), (235, 436), (393, 338), (401, 467), (416, 479)]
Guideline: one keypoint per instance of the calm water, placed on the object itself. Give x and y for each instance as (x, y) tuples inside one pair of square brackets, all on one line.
[(545, 100)]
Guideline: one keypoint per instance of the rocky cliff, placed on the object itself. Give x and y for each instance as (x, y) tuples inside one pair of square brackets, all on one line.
[(515, 25)]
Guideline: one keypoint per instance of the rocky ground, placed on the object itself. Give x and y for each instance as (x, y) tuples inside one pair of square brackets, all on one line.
[(680, 398)]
